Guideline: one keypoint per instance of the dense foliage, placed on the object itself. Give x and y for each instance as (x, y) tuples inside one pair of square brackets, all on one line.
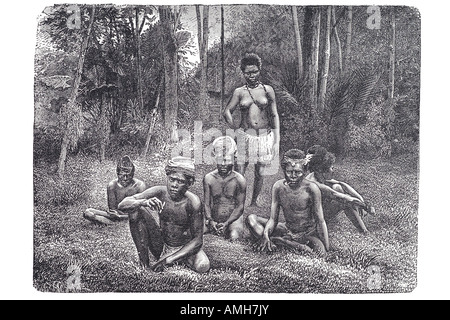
[(124, 77)]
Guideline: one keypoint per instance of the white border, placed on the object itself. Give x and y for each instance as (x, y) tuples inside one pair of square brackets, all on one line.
[(19, 25)]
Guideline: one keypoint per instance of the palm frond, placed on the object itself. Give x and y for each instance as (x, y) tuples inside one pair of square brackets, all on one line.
[(352, 92), (285, 99), (363, 86)]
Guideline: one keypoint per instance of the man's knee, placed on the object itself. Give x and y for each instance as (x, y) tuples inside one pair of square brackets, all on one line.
[(94, 216), (338, 188), (251, 220), (236, 229), (203, 267), (316, 245), (88, 214), (235, 234), (201, 263)]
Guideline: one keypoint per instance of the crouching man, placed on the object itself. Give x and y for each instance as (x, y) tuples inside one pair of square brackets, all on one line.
[(124, 186), (178, 235), (305, 228)]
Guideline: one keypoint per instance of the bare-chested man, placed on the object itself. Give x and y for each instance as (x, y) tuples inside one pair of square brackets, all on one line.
[(305, 228), (178, 236), (124, 186), (337, 196), (224, 192), (258, 134)]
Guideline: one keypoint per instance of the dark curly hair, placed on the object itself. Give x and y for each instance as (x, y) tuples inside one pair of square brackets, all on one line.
[(321, 160), (251, 59)]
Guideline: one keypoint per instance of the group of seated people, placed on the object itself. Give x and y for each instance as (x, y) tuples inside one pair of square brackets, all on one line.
[(169, 221)]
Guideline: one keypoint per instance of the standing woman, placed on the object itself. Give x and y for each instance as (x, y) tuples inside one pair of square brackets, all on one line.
[(258, 134)]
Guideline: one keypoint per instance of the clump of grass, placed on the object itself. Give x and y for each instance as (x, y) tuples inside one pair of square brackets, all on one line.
[(357, 258), (402, 222), (51, 190), (67, 193), (109, 262), (63, 274)]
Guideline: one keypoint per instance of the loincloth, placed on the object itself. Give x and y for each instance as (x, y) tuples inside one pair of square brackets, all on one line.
[(169, 250), (222, 210), (300, 237), (254, 148)]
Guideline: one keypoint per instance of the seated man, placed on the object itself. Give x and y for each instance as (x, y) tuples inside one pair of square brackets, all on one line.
[(224, 192), (178, 235), (125, 185), (337, 196), (305, 228)]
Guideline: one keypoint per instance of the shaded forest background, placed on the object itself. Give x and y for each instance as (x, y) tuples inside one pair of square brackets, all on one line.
[(113, 79)]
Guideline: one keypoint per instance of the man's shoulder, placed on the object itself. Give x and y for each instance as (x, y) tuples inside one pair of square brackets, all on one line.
[(193, 199), (279, 183), (210, 176), (139, 185), (239, 177), (310, 178), (311, 185), (112, 184)]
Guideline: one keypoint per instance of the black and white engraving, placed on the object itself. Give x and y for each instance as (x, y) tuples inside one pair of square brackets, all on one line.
[(226, 148)]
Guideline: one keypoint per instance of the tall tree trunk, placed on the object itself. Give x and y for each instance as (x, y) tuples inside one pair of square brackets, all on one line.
[(73, 96), (314, 64), (348, 40), (326, 64), (170, 62), (298, 44), (346, 124), (203, 98), (307, 38), (104, 126), (392, 58), (199, 30), (222, 60), (336, 38), (153, 120), (138, 30)]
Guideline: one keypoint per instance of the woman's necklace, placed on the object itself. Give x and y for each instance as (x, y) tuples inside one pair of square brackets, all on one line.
[(251, 96), (257, 83), (248, 89)]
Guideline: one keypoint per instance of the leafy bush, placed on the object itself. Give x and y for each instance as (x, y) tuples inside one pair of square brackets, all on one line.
[(47, 143), (372, 137), (50, 190), (405, 145)]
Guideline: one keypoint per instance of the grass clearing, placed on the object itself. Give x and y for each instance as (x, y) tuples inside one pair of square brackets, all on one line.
[(106, 260)]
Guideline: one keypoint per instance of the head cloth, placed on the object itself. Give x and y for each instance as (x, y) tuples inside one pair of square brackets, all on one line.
[(181, 164), (125, 163)]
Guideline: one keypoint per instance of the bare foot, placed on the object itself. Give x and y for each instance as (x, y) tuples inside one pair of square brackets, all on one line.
[(291, 244)]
